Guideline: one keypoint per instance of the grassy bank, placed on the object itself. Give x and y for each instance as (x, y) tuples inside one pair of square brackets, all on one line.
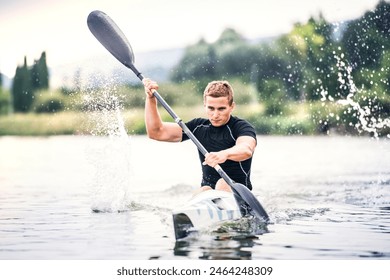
[(32, 124)]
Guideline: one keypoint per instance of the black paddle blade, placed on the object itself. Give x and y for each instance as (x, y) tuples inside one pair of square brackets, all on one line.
[(111, 37), (247, 196)]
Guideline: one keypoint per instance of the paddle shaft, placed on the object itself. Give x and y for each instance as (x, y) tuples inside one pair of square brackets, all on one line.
[(186, 130)]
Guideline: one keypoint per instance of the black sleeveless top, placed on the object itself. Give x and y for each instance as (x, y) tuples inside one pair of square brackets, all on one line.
[(215, 139)]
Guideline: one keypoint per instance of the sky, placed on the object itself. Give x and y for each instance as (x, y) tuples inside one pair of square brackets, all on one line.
[(28, 27)]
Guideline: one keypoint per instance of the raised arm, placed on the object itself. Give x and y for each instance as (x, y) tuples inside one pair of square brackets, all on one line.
[(155, 127)]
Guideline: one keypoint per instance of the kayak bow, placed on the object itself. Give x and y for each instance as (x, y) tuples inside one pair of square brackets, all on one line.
[(206, 209)]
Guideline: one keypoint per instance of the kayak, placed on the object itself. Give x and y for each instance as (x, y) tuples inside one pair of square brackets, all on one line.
[(206, 209)]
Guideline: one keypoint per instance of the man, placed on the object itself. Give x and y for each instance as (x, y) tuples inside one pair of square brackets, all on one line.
[(229, 140)]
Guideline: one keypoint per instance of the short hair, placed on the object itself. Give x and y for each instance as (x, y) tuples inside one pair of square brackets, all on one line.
[(219, 89)]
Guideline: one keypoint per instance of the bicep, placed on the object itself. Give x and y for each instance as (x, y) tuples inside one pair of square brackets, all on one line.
[(171, 132)]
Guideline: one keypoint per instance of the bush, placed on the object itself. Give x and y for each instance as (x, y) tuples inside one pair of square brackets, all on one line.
[(131, 96), (50, 102), (328, 116), (244, 93), (281, 125), (5, 102), (183, 94)]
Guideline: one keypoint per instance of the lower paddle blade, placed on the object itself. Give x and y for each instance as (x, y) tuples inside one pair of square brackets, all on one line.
[(247, 196)]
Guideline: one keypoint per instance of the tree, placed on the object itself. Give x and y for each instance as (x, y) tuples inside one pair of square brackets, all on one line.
[(272, 66), (309, 52), (237, 60), (40, 73), (27, 80), (229, 36), (22, 90), (198, 63), (229, 56), (366, 38)]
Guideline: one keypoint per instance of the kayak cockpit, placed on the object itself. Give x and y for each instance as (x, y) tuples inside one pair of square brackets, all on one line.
[(204, 210)]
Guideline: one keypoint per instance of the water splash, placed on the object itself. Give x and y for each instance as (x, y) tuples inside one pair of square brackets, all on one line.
[(111, 156), (366, 121), (112, 180), (103, 107)]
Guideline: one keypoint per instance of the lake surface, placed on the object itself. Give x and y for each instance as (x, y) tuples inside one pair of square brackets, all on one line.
[(327, 197)]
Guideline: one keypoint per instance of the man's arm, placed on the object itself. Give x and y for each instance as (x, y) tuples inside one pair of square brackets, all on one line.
[(243, 150), (155, 127)]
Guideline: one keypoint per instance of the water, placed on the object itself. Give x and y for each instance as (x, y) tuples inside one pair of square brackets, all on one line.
[(328, 198)]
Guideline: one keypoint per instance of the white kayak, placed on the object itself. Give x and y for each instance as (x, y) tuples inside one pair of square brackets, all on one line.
[(204, 210)]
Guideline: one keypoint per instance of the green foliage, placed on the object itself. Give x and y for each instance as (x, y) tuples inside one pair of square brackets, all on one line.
[(366, 42), (281, 125), (40, 73), (183, 94), (198, 62), (63, 123), (22, 91), (131, 96), (229, 36), (273, 94), (5, 98), (299, 78), (315, 62), (244, 93), (309, 53), (176, 94), (136, 127), (50, 102), (271, 67), (5, 101), (366, 38), (237, 60), (230, 56), (327, 116), (26, 81)]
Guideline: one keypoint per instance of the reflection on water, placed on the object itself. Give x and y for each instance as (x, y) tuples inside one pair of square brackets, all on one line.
[(327, 197), (216, 248), (229, 240)]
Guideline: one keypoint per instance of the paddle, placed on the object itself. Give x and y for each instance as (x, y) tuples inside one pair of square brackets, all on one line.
[(113, 39)]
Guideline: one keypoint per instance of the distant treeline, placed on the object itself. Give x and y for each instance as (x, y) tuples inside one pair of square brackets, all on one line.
[(316, 60)]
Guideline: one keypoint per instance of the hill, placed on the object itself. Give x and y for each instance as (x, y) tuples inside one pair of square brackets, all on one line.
[(156, 64), (6, 81)]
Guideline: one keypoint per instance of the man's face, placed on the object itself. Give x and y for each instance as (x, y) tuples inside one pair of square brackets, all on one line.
[(218, 110)]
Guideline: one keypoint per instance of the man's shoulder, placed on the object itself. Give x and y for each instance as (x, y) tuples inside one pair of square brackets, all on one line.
[(236, 121), (242, 127)]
